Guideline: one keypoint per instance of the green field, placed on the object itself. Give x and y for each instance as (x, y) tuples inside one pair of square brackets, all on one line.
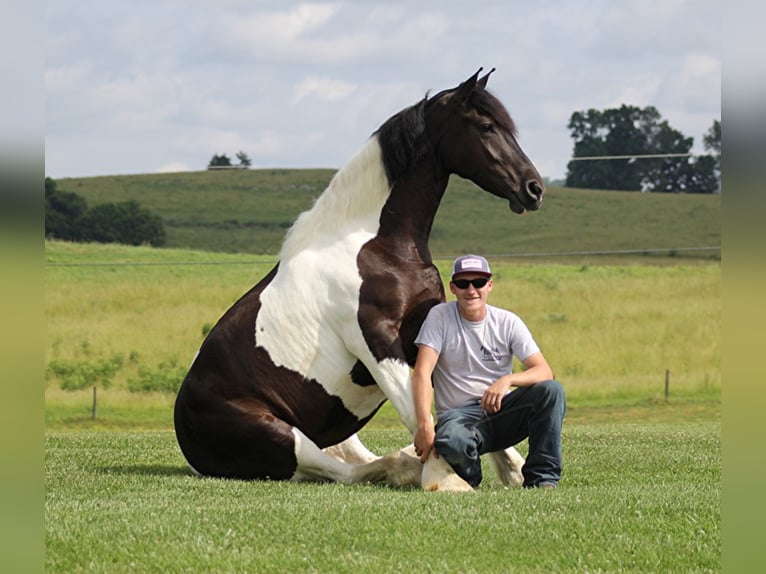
[(611, 332), (249, 211), (642, 472), (633, 498)]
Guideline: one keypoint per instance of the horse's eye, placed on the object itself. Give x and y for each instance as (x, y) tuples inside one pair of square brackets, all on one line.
[(487, 128)]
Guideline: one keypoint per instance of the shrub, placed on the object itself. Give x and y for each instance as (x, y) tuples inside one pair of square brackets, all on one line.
[(78, 374), (125, 222), (166, 378)]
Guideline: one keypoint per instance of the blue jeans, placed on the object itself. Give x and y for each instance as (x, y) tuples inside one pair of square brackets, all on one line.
[(463, 434)]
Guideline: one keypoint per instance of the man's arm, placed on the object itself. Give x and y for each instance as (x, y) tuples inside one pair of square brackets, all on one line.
[(536, 370), (423, 395)]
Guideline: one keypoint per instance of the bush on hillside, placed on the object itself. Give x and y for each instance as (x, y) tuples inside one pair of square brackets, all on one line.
[(67, 217), (125, 222)]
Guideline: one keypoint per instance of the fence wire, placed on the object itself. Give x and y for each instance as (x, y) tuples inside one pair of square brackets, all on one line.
[(645, 251)]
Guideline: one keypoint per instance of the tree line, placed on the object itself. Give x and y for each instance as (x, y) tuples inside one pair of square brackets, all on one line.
[(223, 160), (635, 132), (68, 217), (628, 131)]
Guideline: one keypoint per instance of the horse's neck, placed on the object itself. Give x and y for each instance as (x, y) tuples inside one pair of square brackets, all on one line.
[(412, 205), (352, 202), (360, 198)]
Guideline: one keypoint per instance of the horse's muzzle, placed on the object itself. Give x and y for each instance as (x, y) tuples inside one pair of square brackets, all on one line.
[(529, 198)]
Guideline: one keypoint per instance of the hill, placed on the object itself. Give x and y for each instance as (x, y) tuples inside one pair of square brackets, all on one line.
[(249, 211)]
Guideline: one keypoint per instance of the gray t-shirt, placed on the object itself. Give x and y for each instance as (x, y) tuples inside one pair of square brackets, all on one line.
[(472, 356)]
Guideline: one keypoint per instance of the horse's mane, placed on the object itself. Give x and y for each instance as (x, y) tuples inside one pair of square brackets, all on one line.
[(402, 139), (363, 184), (356, 190)]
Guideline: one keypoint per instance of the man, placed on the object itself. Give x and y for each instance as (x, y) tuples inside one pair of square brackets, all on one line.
[(465, 360)]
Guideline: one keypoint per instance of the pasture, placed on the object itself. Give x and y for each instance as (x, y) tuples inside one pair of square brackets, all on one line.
[(250, 211), (634, 497), (641, 487), (609, 332)]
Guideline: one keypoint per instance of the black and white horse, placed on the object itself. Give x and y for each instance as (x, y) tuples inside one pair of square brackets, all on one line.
[(291, 372)]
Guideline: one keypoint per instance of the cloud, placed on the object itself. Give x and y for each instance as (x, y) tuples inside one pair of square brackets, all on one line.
[(172, 167), (304, 84), (323, 88), (281, 35)]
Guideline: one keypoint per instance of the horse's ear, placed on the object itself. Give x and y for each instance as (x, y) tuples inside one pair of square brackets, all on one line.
[(483, 81), (464, 90)]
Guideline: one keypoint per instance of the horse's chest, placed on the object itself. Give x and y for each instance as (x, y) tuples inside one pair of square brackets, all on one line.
[(308, 319)]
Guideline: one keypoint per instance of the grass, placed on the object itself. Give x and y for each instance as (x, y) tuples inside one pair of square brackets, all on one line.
[(641, 488), (610, 332), (633, 498), (250, 211)]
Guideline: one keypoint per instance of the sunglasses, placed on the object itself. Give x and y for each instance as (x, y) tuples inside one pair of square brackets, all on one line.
[(477, 283)]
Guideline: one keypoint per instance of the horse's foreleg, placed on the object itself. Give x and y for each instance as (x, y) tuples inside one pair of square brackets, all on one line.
[(351, 450), (439, 476), (507, 463), (394, 379)]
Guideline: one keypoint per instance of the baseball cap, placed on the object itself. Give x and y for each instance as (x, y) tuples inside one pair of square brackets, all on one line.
[(471, 264)]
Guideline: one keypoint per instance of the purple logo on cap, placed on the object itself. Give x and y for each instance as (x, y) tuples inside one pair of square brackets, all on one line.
[(467, 264)]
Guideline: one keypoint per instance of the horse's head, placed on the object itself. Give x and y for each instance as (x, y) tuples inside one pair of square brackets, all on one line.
[(474, 137)]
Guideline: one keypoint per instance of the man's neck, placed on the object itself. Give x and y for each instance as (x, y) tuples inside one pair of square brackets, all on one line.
[(473, 315)]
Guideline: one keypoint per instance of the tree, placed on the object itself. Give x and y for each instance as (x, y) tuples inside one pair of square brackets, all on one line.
[(612, 132), (126, 222), (219, 160), (244, 159), (712, 138), (67, 217), (632, 131), (63, 212), (712, 142)]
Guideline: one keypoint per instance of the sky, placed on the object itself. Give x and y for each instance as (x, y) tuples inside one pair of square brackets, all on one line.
[(162, 85)]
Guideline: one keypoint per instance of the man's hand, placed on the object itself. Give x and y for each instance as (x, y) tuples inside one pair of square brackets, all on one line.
[(424, 443), (493, 396)]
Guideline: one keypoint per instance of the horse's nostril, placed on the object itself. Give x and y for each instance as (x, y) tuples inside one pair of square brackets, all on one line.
[(535, 190)]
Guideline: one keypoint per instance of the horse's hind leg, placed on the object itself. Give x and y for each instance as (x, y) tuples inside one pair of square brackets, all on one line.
[(351, 450), (398, 468), (507, 464)]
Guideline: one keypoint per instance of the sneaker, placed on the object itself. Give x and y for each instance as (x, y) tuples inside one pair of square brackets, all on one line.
[(545, 484)]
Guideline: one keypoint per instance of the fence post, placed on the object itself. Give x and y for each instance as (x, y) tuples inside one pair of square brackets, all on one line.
[(94, 401), (667, 384)]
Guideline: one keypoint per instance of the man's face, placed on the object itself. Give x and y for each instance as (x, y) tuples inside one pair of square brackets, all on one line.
[(469, 291)]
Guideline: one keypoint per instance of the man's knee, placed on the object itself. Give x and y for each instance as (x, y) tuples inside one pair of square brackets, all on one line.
[(550, 391), (456, 443)]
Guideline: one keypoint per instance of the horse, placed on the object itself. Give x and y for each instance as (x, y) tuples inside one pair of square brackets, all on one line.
[(302, 361)]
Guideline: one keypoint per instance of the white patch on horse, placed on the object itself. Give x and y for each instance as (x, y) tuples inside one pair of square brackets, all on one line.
[(507, 463), (400, 468), (351, 450), (308, 317), (438, 475)]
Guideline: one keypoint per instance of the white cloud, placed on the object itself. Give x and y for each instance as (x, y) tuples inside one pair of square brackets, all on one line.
[(697, 83), (304, 84), (285, 34), (172, 167), (67, 77), (323, 88)]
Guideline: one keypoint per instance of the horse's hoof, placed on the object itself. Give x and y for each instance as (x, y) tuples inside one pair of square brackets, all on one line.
[(404, 469), (517, 479), (449, 483), (438, 476)]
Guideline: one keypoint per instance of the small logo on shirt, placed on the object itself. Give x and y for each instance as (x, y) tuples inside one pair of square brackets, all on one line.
[(488, 354)]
